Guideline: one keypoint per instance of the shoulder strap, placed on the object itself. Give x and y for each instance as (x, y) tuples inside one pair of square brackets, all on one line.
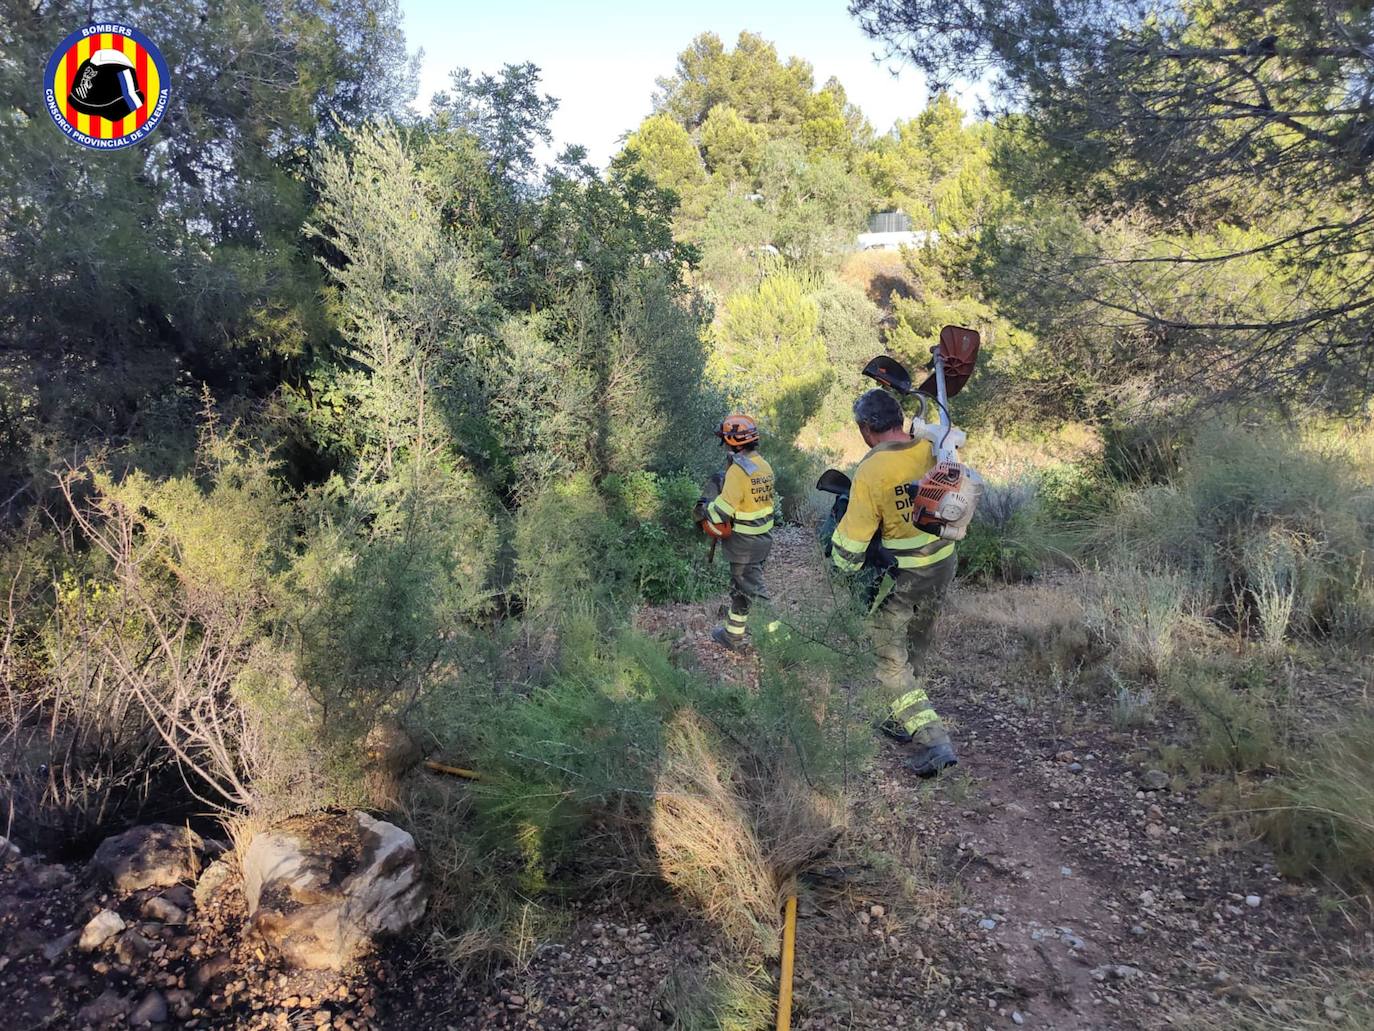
[(745, 463)]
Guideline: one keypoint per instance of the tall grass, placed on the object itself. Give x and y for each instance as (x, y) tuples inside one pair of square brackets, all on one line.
[(1322, 817), (1275, 530)]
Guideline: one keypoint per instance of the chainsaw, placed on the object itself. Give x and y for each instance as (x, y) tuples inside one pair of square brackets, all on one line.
[(947, 496)]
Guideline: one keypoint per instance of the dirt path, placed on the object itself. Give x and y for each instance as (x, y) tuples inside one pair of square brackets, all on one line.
[(1069, 883)]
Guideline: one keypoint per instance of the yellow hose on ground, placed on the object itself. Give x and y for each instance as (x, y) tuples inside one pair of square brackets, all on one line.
[(789, 943), (455, 771)]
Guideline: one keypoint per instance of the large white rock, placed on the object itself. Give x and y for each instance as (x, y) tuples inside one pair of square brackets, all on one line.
[(321, 888)]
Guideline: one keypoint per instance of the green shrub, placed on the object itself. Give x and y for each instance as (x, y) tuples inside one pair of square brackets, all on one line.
[(720, 999), (621, 757), (1001, 540), (1070, 492), (1142, 615), (1144, 451), (1265, 526), (1321, 819), (1243, 720)]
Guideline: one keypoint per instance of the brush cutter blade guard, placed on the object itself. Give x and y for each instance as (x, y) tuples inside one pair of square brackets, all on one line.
[(890, 373), (833, 481), (958, 346)]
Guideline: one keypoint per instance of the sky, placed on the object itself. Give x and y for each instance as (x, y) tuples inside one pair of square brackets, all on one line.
[(600, 58)]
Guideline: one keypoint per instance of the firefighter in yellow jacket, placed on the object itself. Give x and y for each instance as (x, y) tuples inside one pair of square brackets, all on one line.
[(922, 566), (740, 516)]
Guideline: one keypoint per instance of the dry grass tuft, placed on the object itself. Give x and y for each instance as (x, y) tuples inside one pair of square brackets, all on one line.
[(1321, 1000), (1049, 620), (730, 840)]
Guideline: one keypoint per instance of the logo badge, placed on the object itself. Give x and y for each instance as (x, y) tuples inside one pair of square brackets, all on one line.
[(106, 86)]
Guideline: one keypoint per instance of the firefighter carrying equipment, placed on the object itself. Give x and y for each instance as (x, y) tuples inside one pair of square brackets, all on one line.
[(745, 500), (879, 502), (738, 431)]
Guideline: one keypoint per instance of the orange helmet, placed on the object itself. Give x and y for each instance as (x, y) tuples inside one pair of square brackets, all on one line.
[(738, 431)]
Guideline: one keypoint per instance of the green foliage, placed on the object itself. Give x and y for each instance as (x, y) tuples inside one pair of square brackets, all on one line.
[(505, 113), (619, 737), (936, 170), (1321, 819), (664, 150), (1240, 492), (769, 356), (720, 999), (624, 539), (1244, 719), (750, 78), (1001, 544), (180, 262), (733, 148)]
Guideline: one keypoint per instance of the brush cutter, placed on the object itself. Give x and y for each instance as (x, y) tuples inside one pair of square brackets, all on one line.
[(947, 496)]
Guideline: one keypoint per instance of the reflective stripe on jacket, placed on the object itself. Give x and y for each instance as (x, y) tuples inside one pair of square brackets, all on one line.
[(746, 500), (878, 503)]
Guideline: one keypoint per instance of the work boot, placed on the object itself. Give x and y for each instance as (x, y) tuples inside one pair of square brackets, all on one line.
[(733, 642), (930, 751), (928, 760)]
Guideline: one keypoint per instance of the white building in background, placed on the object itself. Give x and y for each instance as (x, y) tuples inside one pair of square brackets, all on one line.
[(891, 230)]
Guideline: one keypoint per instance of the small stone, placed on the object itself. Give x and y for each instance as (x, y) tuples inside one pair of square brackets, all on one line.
[(164, 911), (1147, 898), (1065, 871), (1075, 767), (103, 1009), (1016, 1017), (180, 1000), (180, 896), (1253, 901), (877, 912), (100, 929), (1154, 780), (130, 947), (987, 924), (54, 949), (152, 1010), (211, 969), (1154, 830)]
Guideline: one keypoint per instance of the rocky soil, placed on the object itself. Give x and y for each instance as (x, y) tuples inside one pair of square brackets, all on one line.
[(1060, 880)]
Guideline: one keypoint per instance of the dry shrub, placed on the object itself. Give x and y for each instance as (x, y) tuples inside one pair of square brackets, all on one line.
[(1048, 619), (1144, 615), (729, 840)]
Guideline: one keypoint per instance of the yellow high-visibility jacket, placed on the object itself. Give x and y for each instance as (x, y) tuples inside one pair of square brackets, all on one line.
[(877, 502), (746, 498)]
